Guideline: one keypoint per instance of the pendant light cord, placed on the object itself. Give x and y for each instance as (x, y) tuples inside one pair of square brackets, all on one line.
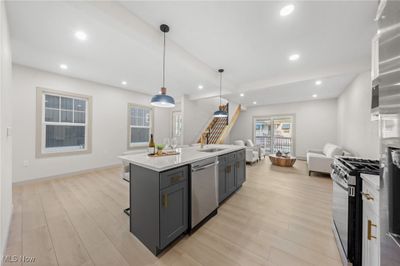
[(220, 89), (163, 81)]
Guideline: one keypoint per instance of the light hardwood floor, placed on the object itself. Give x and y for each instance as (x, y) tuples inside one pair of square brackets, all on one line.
[(280, 216)]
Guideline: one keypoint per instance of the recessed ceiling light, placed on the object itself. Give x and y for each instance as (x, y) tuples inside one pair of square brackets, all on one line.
[(63, 66), (286, 10), (124, 82), (318, 82), (200, 87), (294, 57), (379, 32), (81, 35), (254, 102), (314, 95), (242, 94)]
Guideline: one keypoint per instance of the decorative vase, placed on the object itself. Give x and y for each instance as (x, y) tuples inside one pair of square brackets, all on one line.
[(279, 153)]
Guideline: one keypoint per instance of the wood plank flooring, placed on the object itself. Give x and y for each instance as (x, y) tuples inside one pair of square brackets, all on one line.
[(280, 216)]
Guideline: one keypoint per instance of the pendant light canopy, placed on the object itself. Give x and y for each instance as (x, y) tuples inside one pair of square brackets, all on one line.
[(220, 112), (162, 99)]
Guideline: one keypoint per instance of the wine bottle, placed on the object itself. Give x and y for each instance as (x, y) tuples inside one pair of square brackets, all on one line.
[(152, 147)]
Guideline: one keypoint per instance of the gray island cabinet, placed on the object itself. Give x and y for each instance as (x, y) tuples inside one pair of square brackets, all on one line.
[(159, 205), (231, 173), (160, 190)]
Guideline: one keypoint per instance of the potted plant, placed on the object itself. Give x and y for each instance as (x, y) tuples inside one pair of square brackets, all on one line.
[(160, 148)]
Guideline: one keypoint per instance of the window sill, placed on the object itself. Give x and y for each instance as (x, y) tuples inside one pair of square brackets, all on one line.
[(137, 146), (42, 154)]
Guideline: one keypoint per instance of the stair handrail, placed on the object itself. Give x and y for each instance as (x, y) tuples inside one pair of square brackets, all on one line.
[(211, 122)]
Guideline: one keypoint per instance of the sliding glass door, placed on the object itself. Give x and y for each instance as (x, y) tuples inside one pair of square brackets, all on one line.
[(275, 133)]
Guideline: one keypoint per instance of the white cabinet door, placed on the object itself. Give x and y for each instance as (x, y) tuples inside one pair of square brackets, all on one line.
[(370, 251), (375, 57)]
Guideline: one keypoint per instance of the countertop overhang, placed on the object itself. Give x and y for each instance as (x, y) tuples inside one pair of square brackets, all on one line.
[(187, 155)]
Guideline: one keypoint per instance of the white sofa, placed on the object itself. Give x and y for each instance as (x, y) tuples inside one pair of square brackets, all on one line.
[(251, 154), (321, 160)]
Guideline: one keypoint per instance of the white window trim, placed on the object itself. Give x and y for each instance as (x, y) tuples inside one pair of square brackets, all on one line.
[(41, 150), (173, 123), (129, 126)]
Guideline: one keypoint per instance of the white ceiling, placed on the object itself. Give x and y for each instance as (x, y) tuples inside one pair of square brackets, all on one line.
[(295, 91), (249, 39)]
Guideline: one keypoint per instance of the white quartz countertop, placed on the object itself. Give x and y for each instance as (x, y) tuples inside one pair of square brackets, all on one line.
[(373, 180), (186, 156)]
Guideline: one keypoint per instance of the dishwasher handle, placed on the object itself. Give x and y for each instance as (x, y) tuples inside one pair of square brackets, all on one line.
[(196, 169)]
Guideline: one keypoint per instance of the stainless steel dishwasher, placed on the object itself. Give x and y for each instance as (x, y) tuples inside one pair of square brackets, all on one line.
[(204, 190)]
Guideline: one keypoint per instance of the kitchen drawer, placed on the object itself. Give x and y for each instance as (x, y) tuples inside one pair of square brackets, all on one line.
[(174, 176), (370, 196), (222, 159), (240, 155), (231, 156)]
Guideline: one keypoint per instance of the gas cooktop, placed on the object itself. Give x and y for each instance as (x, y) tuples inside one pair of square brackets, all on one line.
[(360, 165)]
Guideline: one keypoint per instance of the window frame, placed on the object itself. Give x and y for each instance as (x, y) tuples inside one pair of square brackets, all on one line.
[(129, 126), (41, 150)]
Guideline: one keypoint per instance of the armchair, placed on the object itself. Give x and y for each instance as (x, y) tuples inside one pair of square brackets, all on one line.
[(261, 151), (251, 154)]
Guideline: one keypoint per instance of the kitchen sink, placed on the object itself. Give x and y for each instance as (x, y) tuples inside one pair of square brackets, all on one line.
[(212, 150)]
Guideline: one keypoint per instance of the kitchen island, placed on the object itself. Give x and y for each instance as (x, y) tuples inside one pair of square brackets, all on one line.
[(169, 195)]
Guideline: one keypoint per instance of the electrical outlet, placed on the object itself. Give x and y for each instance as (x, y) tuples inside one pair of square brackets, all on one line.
[(26, 163)]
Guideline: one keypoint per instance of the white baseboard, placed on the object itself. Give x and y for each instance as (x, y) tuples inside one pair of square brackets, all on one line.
[(17, 183)]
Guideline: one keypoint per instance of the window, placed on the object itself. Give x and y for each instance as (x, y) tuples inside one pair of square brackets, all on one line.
[(139, 125), (177, 124), (63, 122), (275, 133)]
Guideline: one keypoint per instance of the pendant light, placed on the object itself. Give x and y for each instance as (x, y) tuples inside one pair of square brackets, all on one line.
[(162, 99), (220, 112)]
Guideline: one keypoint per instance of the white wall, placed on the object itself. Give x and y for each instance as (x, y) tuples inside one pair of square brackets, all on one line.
[(109, 128), (356, 132), (315, 123), (5, 139)]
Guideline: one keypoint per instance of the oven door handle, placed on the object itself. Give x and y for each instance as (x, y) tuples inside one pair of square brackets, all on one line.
[(335, 179)]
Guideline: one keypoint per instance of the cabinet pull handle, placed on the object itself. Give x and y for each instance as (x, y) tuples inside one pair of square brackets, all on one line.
[(370, 225), (165, 200), (175, 178), (367, 196)]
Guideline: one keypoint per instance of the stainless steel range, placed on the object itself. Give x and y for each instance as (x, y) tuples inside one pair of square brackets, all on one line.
[(347, 205)]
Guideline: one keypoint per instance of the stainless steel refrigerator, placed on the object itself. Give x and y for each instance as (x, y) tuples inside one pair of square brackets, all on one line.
[(386, 102)]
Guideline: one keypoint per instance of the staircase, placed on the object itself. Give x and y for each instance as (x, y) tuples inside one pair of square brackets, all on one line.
[(218, 129)]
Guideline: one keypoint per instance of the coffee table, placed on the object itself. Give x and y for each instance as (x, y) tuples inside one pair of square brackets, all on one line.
[(282, 161)]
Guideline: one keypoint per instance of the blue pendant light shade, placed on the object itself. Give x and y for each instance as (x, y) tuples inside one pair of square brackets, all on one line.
[(162, 99), (219, 112)]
